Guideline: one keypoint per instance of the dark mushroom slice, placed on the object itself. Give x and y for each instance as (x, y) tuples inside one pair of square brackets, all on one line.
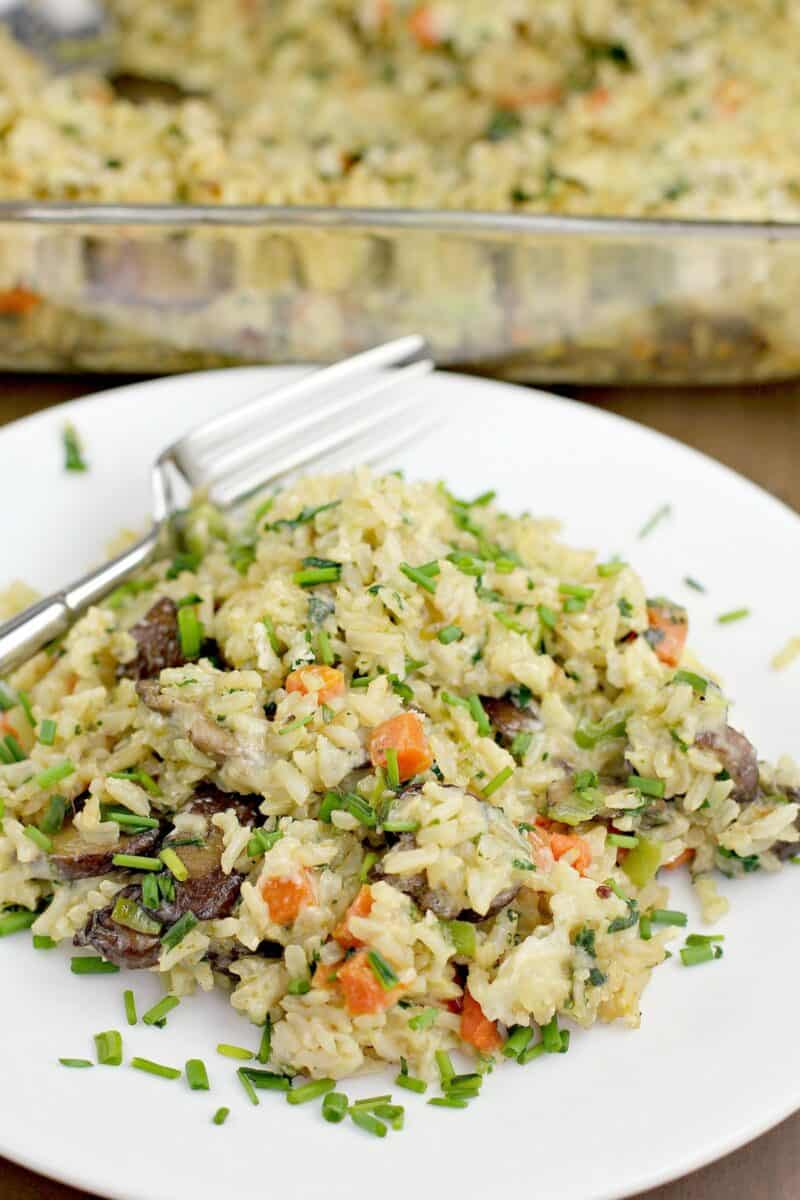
[(738, 758), (73, 857), (118, 943), (158, 642), (509, 719), (202, 732), (221, 959)]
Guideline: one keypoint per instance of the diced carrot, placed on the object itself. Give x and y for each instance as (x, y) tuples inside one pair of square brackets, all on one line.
[(286, 897), (669, 626), (476, 1028), (363, 991), (17, 301), (424, 30), (326, 975), (685, 856), (6, 726), (597, 98), (322, 682), (562, 843), (361, 907), (405, 734)]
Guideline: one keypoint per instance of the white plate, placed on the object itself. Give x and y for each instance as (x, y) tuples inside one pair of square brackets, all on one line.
[(717, 1059)]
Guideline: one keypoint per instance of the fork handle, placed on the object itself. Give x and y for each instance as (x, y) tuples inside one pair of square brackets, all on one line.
[(37, 625)]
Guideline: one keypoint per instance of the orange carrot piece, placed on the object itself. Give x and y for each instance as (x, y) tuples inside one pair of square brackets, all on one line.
[(363, 992), (476, 1028), (685, 856), (287, 897), (326, 975), (17, 301), (322, 682), (669, 626), (6, 726), (361, 907), (598, 98), (423, 29), (562, 843), (405, 734)]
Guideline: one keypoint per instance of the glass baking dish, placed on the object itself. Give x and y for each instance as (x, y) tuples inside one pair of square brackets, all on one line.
[(535, 298)]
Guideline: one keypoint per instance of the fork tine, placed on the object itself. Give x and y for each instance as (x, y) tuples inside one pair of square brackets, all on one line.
[(330, 440), (314, 382), (240, 453)]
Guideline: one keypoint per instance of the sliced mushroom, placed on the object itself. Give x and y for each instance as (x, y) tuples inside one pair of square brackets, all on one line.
[(118, 943), (738, 758), (509, 719), (74, 857), (202, 732), (158, 642)]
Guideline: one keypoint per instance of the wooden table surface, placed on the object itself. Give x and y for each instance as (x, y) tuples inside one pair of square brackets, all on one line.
[(757, 432)]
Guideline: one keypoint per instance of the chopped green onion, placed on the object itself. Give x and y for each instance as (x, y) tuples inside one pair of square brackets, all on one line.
[(423, 1020), (129, 820), (177, 932), (588, 733), (704, 939), (54, 774), (448, 1102), (666, 916), (13, 922), (324, 649), (736, 614), (109, 1048), (445, 1065), (547, 616), (265, 1045), (174, 864), (92, 964), (75, 1062), (370, 1102), (190, 632), (692, 583), (648, 787), (311, 576), (574, 604), (393, 1113), (42, 942), (137, 775), (479, 715), (382, 971), (136, 862), (271, 635), (367, 1122), (73, 453), (154, 1068), (551, 1036), (8, 698), (450, 633), (156, 1014), (531, 1053), (420, 576), (38, 838), (607, 569), (298, 987), (197, 1075), (410, 1083), (310, 1091), (228, 1051), (53, 818), (297, 723), (130, 914), (368, 862), (645, 928), (576, 591), (520, 745), (657, 516), (500, 778), (262, 841), (400, 826), (248, 1086), (151, 896), (14, 748), (517, 1041), (392, 768), (220, 1116), (643, 861), (692, 956), (334, 1107), (462, 935), (627, 840), (130, 1006), (696, 682), (266, 1081)]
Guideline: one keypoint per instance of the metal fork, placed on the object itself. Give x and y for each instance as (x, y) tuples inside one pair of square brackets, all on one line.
[(230, 457)]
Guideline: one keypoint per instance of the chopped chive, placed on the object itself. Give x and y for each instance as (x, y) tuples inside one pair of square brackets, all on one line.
[(448, 1102), (368, 862), (262, 841), (547, 616), (565, 1038), (271, 635), (445, 1065), (13, 922), (500, 778), (736, 614), (177, 932), (607, 569), (704, 939), (551, 1036), (574, 604), (220, 1116), (311, 576), (479, 715), (692, 956), (410, 1083), (42, 942), (310, 1091), (370, 1102), (657, 516), (54, 774), (400, 826), (627, 840), (174, 864), (392, 768), (92, 964), (450, 633), (228, 1051), (297, 723), (419, 576), (324, 648), (517, 1041), (298, 987), (25, 705), (367, 1122), (265, 1045), (197, 1075), (576, 590), (129, 820), (130, 914), (109, 1048), (521, 745), (531, 1053), (645, 928), (382, 971), (129, 1001), (8, 698), (424, 1020), (666, 916), (190, 632), (156, 1014), (648, 787), (462, 935), (267, 1081), (14, 748), (470, 1080), (53, 818), (75, 1062), (334, 1107), (136, 862), (38, 838), (151, 896), (73, 453), (154, 1068), (393, 1113), (137, 775), (692, 583), (696, 682), (247, 1084)]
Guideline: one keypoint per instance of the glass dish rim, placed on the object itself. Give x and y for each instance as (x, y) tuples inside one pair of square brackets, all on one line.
[(420, 220)]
